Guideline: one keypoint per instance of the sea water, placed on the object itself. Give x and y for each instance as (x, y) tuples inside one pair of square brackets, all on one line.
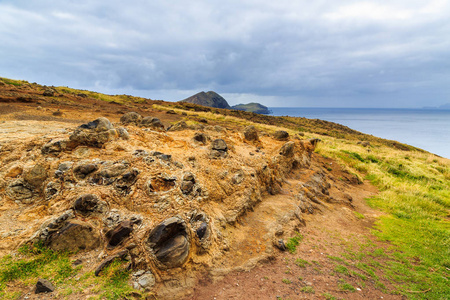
[(422, 128)]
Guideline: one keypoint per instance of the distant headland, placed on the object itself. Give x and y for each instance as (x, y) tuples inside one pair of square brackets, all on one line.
[(212, 99)]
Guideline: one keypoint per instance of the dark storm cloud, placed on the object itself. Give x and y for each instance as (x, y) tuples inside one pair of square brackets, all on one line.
[(293, 53)]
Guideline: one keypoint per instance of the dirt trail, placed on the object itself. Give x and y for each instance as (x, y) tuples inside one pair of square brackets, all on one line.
[(326, 235)]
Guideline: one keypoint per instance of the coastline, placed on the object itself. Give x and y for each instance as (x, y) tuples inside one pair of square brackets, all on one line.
[(428, 129)]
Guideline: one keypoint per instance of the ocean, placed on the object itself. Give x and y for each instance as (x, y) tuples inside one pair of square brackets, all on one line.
[(423, 128)]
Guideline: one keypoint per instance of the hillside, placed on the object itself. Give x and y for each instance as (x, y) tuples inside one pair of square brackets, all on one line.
[(210, 99), (121, 197)]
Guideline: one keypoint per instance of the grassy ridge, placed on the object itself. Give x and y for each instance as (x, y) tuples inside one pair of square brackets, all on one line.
[(415, 194)]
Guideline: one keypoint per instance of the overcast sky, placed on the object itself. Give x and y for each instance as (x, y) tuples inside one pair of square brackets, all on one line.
[(280, 53)]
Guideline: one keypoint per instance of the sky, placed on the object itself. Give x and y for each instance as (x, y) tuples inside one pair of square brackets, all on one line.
[(280, 53)]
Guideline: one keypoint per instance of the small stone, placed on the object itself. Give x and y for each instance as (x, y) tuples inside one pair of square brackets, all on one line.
[(146, 281), (44, 286)]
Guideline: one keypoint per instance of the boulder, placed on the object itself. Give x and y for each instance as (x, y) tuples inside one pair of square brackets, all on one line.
[(151, 122), (169, 242), (281, 135), (89, 203), (44, 286), (95, 133), (119, 233), (131, 118), (250, 133), (74, 236)]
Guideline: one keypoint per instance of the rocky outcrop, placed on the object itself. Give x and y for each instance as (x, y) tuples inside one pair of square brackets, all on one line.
[(167, 203)]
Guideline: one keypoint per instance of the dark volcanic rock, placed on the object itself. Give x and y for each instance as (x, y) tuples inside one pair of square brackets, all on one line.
[(201, 231), (125, 182), (169, 242), (44, 286), (119, 233), (211, 99), (89, 203)]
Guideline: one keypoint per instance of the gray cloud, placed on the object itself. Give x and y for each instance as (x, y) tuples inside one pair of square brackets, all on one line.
[(285, 53)]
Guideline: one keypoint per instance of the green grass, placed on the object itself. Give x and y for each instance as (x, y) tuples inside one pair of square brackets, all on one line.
[(414, 192), (307, 289), (293, 242), (345, 286), (301, 263), (33, 262)]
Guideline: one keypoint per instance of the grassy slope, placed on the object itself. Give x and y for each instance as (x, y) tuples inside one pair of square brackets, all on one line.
[(414, 192)]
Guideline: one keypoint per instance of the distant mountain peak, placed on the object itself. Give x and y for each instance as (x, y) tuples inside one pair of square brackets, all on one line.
[(210, 98)]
